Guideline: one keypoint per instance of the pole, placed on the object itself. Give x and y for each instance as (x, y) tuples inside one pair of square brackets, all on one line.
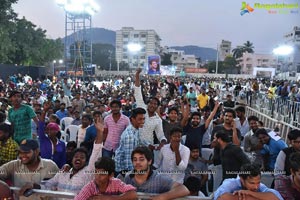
[(217, 60)]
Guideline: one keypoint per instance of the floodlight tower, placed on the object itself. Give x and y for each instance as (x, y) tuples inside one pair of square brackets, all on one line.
[(78, 35)]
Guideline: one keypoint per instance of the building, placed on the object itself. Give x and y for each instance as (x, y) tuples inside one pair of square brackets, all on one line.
[(224, 49), (148, 40), (293, 39), (181, 60), (252, 62)]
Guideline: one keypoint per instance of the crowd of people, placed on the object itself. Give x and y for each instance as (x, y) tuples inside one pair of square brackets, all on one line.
[(144, 134)]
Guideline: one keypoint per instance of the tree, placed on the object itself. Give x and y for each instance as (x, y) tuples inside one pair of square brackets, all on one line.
[(238, 52), (103, 55), (248, 47), (230, 64)]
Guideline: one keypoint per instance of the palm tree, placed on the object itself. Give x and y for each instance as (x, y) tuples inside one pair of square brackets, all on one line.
[(238, 52), (248, 47)]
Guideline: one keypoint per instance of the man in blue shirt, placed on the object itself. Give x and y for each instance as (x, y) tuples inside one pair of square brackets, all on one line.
[(246, 186), (129, 141)]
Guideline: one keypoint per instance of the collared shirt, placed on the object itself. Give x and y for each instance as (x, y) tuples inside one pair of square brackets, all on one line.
[(63, 181), (166, 162), (285, 186), (8, 151), (152, 124), (21, 121), (61, 114), (129, 141), (115, 130), (244, 128), (156, 183), (20, 174), (234, 184), (115, 187), (64, 99)]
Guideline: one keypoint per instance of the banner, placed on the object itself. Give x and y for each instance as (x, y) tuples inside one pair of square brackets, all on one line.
[(153, 65)]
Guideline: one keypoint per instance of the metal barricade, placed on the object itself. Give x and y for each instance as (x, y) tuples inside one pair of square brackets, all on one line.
[(44, 194)]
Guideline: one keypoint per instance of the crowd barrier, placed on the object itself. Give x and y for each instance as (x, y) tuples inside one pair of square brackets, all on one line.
[(44, 194), (271, 122), (279, 108)]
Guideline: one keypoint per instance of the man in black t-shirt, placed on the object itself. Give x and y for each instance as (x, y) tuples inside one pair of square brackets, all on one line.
[(228, 127)]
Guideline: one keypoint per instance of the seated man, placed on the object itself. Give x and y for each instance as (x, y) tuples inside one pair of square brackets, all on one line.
[(104, 183), (30, 169), (150, 181), (246, 186), (289, 186)]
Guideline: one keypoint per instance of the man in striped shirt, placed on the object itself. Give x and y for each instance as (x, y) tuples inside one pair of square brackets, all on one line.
[(114, 125)]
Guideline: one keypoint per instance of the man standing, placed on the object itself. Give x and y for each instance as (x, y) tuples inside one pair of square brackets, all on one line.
[(232, 156), (129, 140), (202, 98), (20, 116), (153, 123), (251, 142), (114, 125)]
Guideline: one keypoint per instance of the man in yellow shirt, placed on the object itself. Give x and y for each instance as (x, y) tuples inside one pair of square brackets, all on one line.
[(202, 99)]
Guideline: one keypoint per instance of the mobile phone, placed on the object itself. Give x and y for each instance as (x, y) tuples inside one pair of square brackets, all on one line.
[(216, 98)]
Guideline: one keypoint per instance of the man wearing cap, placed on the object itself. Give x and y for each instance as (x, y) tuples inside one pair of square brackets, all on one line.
[(30, 169), (51, 147), (20, 116)]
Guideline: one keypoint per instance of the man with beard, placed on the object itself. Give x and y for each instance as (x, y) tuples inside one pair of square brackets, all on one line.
[(228, 127), (251, 143), (194, 131), (150, 181), (80, 174), (246, 186), (30, 169), (20, 116), (114, 125), (153, 123)]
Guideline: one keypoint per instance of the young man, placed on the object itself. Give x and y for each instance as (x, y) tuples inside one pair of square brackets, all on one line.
[(197, 168), (171, 122), (241, 121), (105, 185), (129, 140), (31, 167), (20, 116), (270, 149), (289, 186), (251, 142), (8, 147), (229, 127), (149, 181), (282, 164), (153, 122), (194, 131), (246, 186), (173, 157), (232, 156), (114, 125), (80, 173)]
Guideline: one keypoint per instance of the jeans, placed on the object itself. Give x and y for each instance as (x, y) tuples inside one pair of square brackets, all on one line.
[(107, 153)]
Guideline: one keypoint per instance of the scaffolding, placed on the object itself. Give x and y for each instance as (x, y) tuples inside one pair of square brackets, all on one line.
[(78, 45)]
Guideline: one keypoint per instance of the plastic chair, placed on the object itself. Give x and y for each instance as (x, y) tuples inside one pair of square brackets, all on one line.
[(72, 131), (64, 122)]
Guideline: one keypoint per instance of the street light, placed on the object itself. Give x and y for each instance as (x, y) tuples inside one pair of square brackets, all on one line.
[(134, 48), (284, 50)]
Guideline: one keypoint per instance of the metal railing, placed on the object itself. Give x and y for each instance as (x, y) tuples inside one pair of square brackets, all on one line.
[(270, 122), (44, 194), (278, 108)]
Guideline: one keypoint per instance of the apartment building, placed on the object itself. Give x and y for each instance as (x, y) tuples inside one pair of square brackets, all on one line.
[(147, 40)]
